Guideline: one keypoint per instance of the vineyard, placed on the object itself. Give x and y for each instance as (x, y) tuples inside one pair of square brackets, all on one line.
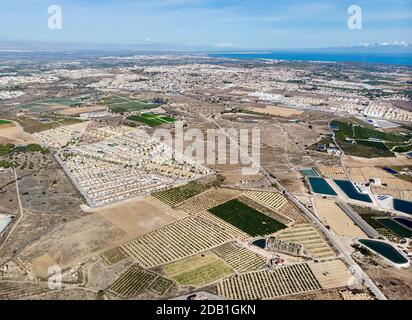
[(114, 255), (208, 199), (264, 209), (246, 218), (175, 241), (239, 258), (160, 286), (14, 290), (174, 196), (272, 200), (309, 237), (198, 270), (227, 227), (135, 280), (283, 281)]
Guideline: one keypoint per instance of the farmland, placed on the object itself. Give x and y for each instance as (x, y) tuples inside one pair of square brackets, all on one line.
[(198, 270), (246, 218), (175, 196), (395, 227), (114, 255), (4, 122), (163, 245), (283, 281), (136, 280), (369, 143), (151, 119), (118, 104), (309, 237), (239, 258)]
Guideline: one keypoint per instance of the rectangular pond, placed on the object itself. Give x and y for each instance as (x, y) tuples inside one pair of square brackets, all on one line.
[(402, 205), (351, 191), (321, 186)]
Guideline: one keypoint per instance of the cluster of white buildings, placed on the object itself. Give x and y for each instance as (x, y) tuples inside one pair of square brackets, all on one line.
[(4, 95), (125, 164)]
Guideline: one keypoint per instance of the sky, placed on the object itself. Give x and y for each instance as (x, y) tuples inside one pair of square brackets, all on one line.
[(246, 24)]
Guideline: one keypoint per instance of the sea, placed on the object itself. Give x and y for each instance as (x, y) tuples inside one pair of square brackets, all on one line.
[(360, 57)]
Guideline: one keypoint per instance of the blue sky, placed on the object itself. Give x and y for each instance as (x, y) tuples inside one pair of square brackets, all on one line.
[(251, 24)]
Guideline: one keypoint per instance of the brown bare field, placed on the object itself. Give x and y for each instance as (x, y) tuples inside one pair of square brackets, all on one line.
[(72, 243), (352, 161), (277, 111), (10, 133), (333, 216), (136, 216), (331, 274)]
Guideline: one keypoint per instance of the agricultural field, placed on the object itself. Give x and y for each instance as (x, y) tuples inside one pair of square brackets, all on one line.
[(240, 258), (151, 119), (282, 281), (277, 202), (198, 270), (273, 200), (175, 196), (370, 216), (118, 104), (264, 209), (246, 218), (309, 237), (15, 290), (132, 283), (175, 241), (49, 104), (114, 255), (160, 286), (4, 122), (331, 274), (334, 173), (369, 143), (208, 199), (395, 227), (332, 215), (32, 125)]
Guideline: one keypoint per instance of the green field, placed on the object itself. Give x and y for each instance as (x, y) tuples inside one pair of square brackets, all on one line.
[(5, 121), (151, 119), (246, 218), (36, 105), (198, 270), (395, 227), (177, 195), (347, 129), (118, 104), (363, 146)]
